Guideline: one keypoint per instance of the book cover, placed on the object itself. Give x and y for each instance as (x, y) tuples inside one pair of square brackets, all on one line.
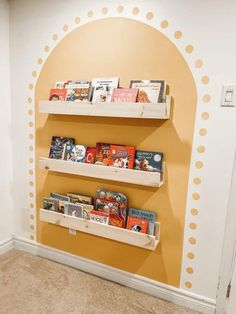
[(137, 225), (60, 84), (102, 154), (62, 199), (80, 198), (74, 210), (124, 95), (102, 88), (99, 217), (87, 209), (121, 156), (74, 153), (106, 206), (50, 203), (150, 91), (57, 94), (148, 161), (57, 146), (77, 91), (116, 221), (145, 215), (90, 155)]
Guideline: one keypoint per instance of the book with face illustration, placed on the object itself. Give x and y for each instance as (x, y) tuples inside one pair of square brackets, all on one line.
[(150, 91), (102, 88)]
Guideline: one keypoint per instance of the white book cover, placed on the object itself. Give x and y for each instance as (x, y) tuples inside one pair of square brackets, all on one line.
[(103, 88)]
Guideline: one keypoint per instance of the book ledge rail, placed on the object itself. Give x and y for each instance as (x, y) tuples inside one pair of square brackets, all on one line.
[(144, 241), (108, 109), (151, 179)]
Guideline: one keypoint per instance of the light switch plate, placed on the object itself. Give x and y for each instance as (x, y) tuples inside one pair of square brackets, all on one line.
[(228, 98)]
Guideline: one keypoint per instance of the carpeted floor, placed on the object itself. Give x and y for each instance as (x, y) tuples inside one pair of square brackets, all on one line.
[(33, 285)]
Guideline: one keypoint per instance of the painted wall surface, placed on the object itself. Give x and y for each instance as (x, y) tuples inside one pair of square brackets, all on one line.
[(201, 31), (6, 209)]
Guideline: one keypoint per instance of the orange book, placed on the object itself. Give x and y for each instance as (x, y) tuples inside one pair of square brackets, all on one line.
[(57, 94), (122, 156), (137, 225)]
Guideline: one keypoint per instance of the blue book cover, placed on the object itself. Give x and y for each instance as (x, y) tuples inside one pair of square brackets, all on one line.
[(57, 146), (148, 161), (145, 215)]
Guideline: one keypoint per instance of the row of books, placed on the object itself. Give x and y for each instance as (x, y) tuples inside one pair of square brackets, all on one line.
[(110, 208), (120, 156), (106, 90)]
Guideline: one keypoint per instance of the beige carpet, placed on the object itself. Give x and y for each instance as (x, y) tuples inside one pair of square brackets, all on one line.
[(30, 284)]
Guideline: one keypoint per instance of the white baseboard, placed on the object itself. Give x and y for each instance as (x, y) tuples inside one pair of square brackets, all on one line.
[(157, 289), (6, 246)]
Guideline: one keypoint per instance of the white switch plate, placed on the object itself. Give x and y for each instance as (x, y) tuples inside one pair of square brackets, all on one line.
[(72, 231), (228, 98)]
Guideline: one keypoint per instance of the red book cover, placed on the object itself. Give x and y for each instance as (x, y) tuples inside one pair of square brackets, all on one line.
[(137, 225), (106, 206), (57, 94), (122, 156), (90, 155), (99, 217), (124, 94), (116, 221), (102, 154)]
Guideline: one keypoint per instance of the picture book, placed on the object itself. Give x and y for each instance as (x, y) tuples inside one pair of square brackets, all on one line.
[(60, 84), (100, 217), (145, 215), (137, 225), (77, 91), (87, 211), (121, 156), (57, 146), (116, 221), (50, 203), (106, 206), (150, 91), (57, 94), (115, 197), (74, 210), (62, 200), (148, 161), (80, 198), (73, 152), (90, 155), (102, 154), (124, 95), (102, 88)]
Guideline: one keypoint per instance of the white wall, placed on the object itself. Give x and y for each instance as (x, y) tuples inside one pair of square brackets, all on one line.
[(6, 184), (210, 27)]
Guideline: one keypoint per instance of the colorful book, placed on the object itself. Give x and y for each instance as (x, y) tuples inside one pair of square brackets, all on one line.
[(90, 155), (100, 217), (106, 206), (150, 91), (87, 209), (62, 200), (121, 156), (102, 154), (102, 88), (74, 210), (124, 95), (116, 221), (137, 225), (60, 84), (57, 94), (80, 198), (76, 153), (145, 215), (57, 146), (77, 91), (50, 203), (148, 161)]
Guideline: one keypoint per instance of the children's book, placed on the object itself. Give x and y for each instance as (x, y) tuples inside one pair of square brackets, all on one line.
[(57, 146), (77, 90), (124, 95), (57, 94), (150, 91), (50, 203), (80, 198), (90, 155), (87, 209), (62, 200), (145, 215), (100, 217), (148, 161), (102, 154), (106, 206), (75, 153), (121, 156), (137, 225), (74, 210), (102, 88), (116, 221)]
